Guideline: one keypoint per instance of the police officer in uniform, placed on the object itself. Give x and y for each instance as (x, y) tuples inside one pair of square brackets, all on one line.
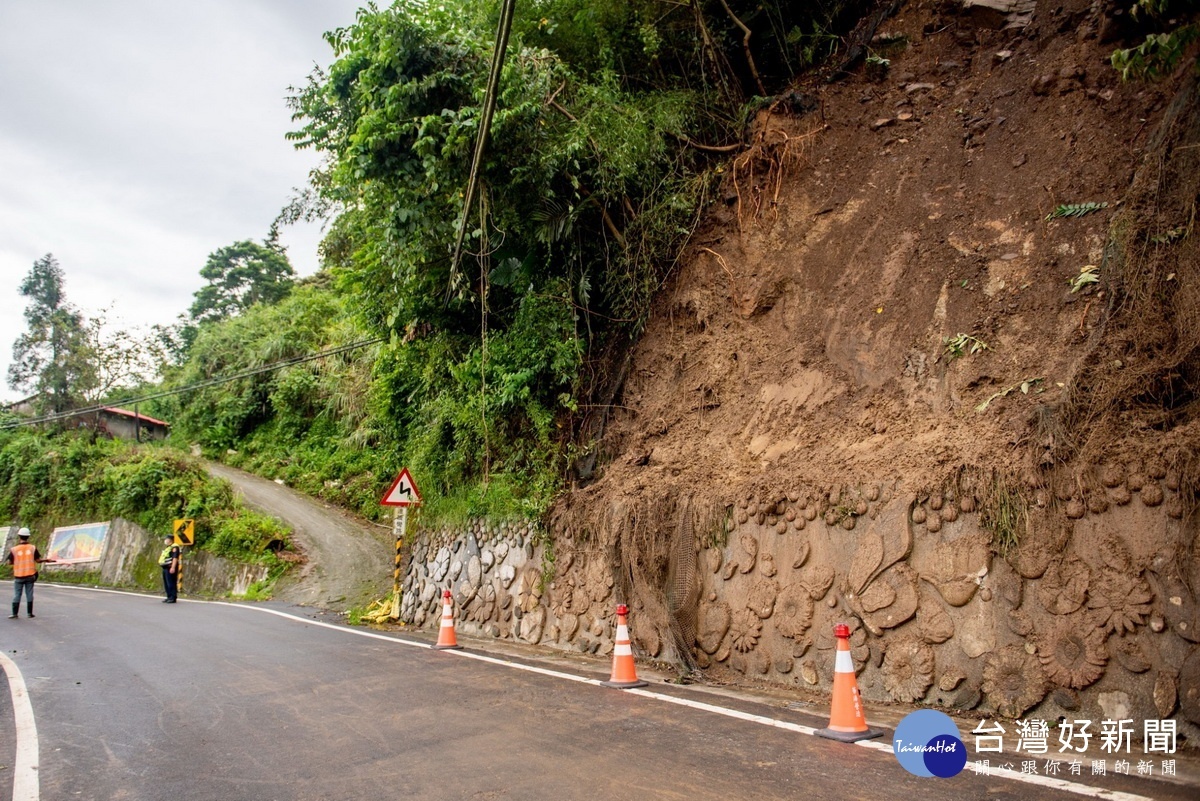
[(168, 560), (24, 557)]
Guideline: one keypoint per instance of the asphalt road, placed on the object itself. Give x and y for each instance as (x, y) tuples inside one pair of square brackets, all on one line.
[(347, 562), (135, 699)]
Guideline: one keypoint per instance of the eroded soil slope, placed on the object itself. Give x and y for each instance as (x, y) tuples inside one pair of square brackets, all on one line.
[(813, 335)]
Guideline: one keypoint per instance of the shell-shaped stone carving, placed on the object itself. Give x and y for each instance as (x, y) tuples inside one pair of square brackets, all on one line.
[(713, 557), (1072, 652), (818, 580), (1075, 509), (919, 514), (1013, 681), (646, 637), (1189, 687), (1174, 508), (744, 631), (1135, 481), (507, 574), (936, 625), (1064, 587), (487, 559), (794, 611), (902, 581), (1165, 694), (748, 552), (907, 669), (474, 571), (713, 624), (532, 625), (761, 599), (600, 580), (1119, 602), (802, 550), (879, 595), (957, 592), (1113, 475), (1151, 494), (968, 504), (766, 565), (1129, 654), (951, 679)]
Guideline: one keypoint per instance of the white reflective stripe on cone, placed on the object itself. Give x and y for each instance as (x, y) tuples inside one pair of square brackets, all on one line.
[(844, 663), (622, 633), (623, 649)]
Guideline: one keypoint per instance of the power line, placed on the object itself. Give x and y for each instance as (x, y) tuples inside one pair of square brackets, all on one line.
[(211, 382)]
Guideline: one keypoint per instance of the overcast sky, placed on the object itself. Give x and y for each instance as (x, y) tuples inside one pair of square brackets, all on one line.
[(138, 136)]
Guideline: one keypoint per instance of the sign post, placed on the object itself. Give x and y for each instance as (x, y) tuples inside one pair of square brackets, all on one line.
[(402, 495), (185, 534)]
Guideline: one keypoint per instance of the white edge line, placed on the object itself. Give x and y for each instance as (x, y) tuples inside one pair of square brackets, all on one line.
[(25, 766), (1037, 779)]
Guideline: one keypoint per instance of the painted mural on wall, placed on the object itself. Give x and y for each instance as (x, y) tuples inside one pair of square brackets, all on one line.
[(78, 544), (1091, 611)]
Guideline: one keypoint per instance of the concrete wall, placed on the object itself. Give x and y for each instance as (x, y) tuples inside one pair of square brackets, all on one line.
[(130, 559), (1093, 615)]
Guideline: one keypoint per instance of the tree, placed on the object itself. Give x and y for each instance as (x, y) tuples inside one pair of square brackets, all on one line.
[(122, 358), (54, 358), (240, 275)]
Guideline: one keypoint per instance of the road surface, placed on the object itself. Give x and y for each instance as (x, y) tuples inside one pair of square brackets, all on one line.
[(136, 699), (349, 563)]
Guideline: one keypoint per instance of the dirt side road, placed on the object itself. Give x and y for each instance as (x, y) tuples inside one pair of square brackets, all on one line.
[(347, 562)]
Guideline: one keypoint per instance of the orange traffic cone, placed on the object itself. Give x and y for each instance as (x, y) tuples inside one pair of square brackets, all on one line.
[(846, 720), (446, 639), (624, 673)]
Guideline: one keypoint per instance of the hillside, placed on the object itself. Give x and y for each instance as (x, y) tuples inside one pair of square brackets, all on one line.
[(875, 391), (804, 341)]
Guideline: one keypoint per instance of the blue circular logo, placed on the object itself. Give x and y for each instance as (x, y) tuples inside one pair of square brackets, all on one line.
[(927, 743)]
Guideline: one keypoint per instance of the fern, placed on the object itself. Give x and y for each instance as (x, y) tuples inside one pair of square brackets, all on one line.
[(1075, 210)]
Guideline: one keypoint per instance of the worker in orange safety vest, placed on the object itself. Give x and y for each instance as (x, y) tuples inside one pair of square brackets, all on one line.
[(24, 557)]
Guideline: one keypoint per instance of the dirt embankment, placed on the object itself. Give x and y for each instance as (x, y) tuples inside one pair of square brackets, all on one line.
[(881, 295), (347, 563)]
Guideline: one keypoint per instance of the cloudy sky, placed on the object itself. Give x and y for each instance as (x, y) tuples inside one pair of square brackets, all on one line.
[(138, 136)]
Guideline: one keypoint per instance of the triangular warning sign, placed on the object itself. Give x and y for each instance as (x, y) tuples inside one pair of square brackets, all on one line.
[(403, 492)]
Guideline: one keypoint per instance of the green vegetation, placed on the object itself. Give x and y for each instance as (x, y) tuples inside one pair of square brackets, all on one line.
[(73, 478), (482, 376), (960, 345), (1005, 512), (1088, 274), (1159, 54), (1075, 210)]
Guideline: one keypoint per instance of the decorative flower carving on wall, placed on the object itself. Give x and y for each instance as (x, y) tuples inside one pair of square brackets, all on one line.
[(1072, 652), (485, 604), (1119, 602), (907, 669), (761, 599), (794, 611), (1064, 587), (745, 630), (1013, 681)]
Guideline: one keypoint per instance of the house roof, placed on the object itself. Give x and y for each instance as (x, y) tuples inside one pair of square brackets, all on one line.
[(131, 415)]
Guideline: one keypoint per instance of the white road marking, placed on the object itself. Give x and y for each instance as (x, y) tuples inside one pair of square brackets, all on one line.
[(25, 766), (1034, 779)]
